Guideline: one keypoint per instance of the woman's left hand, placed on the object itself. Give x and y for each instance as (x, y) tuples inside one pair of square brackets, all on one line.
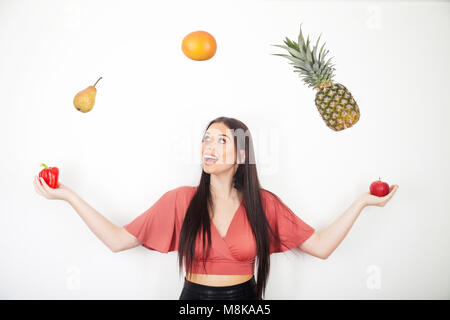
[(371, 200)]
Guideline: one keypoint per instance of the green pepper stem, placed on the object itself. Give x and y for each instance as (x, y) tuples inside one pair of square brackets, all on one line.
[(44, 165)]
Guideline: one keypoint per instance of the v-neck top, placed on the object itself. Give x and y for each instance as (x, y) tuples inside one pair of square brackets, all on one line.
[(159, 227)]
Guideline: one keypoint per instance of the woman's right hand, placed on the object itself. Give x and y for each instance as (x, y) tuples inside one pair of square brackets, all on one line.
[(369, 199), (60, 193)]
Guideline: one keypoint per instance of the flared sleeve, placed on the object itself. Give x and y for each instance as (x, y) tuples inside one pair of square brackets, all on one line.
[(291, 230), (156, 227)]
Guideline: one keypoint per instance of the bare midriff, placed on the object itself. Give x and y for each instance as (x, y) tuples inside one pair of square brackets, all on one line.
[(218, 280)]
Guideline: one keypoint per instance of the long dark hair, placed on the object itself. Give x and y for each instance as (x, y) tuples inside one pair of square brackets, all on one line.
[(246, 181)]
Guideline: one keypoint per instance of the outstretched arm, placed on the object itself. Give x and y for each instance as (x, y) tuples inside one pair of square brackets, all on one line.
[(116, 238), (322, 244)]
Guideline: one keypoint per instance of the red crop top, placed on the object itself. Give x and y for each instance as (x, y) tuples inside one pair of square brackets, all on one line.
[(159, 227)]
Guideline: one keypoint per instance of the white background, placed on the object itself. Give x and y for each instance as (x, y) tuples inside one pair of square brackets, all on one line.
[(142, 138)]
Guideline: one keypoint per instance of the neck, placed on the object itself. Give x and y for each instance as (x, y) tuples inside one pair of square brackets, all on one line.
[(222, 186)]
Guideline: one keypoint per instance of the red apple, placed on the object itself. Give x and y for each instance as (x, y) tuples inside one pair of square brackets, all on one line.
[(379, 188)]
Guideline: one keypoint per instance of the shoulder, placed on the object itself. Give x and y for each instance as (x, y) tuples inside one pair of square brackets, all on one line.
[(182, 194), (273, 204), (186, 191), (268, 196), (182, 190), (269, 199)]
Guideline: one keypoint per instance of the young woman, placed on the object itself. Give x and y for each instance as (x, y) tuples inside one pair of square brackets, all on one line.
[(222, 225)]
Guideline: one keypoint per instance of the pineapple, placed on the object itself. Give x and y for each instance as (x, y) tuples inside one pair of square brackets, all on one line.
[(333, 100)]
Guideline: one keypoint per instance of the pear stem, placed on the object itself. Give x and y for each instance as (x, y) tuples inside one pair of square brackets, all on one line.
[(97, 81)]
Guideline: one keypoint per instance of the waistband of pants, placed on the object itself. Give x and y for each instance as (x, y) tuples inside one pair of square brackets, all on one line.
[(236, 288)]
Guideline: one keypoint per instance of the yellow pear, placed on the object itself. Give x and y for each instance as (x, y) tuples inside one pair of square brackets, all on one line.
[(85, 99)]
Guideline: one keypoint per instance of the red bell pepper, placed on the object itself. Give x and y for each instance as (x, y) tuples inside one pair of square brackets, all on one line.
[(50, 176)]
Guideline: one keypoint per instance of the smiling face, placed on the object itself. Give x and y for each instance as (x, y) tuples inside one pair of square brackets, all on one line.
[(218, 141)]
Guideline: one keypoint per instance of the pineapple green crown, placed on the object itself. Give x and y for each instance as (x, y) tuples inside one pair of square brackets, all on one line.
[(313, 68)]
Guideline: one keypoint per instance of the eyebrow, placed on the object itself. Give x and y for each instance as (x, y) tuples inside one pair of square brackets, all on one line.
[(219, 134)]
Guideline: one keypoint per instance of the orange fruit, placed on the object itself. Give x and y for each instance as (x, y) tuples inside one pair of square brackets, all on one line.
[(199, 45)]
